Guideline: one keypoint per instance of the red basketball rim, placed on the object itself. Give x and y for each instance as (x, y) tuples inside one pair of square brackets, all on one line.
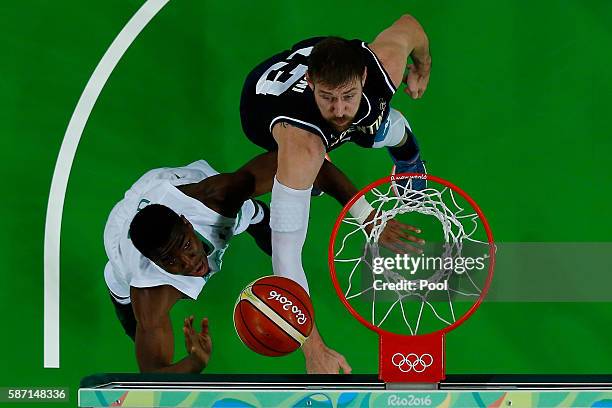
[(481, 216)]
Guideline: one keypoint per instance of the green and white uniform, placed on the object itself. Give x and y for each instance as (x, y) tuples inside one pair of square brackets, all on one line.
[(128, 267)]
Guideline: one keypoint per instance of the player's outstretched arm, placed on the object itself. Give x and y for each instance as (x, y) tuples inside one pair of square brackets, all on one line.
[(154, 336), (257, 177), (334, 182), (396, 234), (405, 38), (226, 192)]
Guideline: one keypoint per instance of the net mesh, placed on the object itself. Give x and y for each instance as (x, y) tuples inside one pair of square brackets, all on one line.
[(458, 228)]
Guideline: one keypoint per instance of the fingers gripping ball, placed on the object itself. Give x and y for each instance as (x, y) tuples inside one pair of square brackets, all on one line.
[(273, 316)]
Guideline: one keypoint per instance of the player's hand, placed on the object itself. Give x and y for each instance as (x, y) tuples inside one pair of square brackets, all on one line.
[(395, 236), (320, 359), (416, 80), (198, 345)]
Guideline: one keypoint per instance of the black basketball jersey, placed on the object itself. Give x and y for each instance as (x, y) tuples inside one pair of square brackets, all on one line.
[(277, 91)]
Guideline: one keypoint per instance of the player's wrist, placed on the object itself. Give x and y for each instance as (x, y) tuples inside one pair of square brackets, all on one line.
[(312, 346), (313, 342), (422, 62), (361, 210), (197, 362)]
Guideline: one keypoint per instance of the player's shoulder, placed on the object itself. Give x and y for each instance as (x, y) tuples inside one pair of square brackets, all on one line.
[(375, 58)]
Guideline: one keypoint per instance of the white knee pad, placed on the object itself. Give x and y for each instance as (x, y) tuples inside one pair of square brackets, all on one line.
[(395, 130), (289, 210)]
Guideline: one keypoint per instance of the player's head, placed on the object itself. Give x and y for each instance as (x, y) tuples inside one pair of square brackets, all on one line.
[(168, 240), (336, 74)]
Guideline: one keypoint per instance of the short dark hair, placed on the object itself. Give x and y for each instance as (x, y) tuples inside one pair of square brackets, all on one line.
[(334, 62), (152, 227)]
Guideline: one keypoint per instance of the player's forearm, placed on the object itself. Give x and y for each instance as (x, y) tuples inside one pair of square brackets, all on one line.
[(330, 179), (262, 168), (421, 58), (416, 41), (155, 349), (188, 365), (227, 192), (335, 183), (313, 341)]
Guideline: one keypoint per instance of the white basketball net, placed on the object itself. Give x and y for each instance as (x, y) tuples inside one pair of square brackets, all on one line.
[(458, 225)]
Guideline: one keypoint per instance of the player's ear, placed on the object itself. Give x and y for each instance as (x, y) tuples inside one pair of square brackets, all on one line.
[(185, 221), (310, 83), (364, 76)]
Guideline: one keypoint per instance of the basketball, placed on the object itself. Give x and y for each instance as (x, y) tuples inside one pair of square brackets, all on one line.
[(273, 316)]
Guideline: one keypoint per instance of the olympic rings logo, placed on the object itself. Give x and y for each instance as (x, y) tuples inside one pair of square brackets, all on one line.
[(412, 362)]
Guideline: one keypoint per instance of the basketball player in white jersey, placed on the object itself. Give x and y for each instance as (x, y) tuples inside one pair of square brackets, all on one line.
[(167, 237)]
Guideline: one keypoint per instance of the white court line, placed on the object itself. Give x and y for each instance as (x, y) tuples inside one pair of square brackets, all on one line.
[(61, 173)]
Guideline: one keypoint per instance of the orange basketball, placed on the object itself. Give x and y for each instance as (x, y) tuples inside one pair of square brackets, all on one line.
[(273, 316)]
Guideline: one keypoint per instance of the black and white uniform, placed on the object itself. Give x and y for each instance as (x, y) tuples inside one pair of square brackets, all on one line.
[(277, 91)]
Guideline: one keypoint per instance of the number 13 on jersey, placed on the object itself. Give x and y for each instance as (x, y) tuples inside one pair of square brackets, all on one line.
[(276, 85)]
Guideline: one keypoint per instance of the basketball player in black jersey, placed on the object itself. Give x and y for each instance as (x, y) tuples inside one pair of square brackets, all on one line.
[(322, 93)]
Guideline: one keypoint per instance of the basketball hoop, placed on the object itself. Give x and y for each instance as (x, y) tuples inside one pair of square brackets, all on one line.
[(413, 353)]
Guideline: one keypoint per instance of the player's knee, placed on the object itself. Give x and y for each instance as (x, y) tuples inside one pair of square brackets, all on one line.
[(311, 147), (301, 144)]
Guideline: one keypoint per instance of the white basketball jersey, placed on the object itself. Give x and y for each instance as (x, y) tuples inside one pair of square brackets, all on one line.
[(128, 267)]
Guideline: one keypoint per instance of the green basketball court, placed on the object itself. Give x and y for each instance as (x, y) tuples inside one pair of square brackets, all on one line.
[(517, 114)]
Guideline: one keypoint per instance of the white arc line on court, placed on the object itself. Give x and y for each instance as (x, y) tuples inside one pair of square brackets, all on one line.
[(59, 182)]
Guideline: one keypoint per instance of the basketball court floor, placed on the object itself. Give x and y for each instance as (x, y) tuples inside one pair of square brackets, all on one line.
[(516, 114)]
